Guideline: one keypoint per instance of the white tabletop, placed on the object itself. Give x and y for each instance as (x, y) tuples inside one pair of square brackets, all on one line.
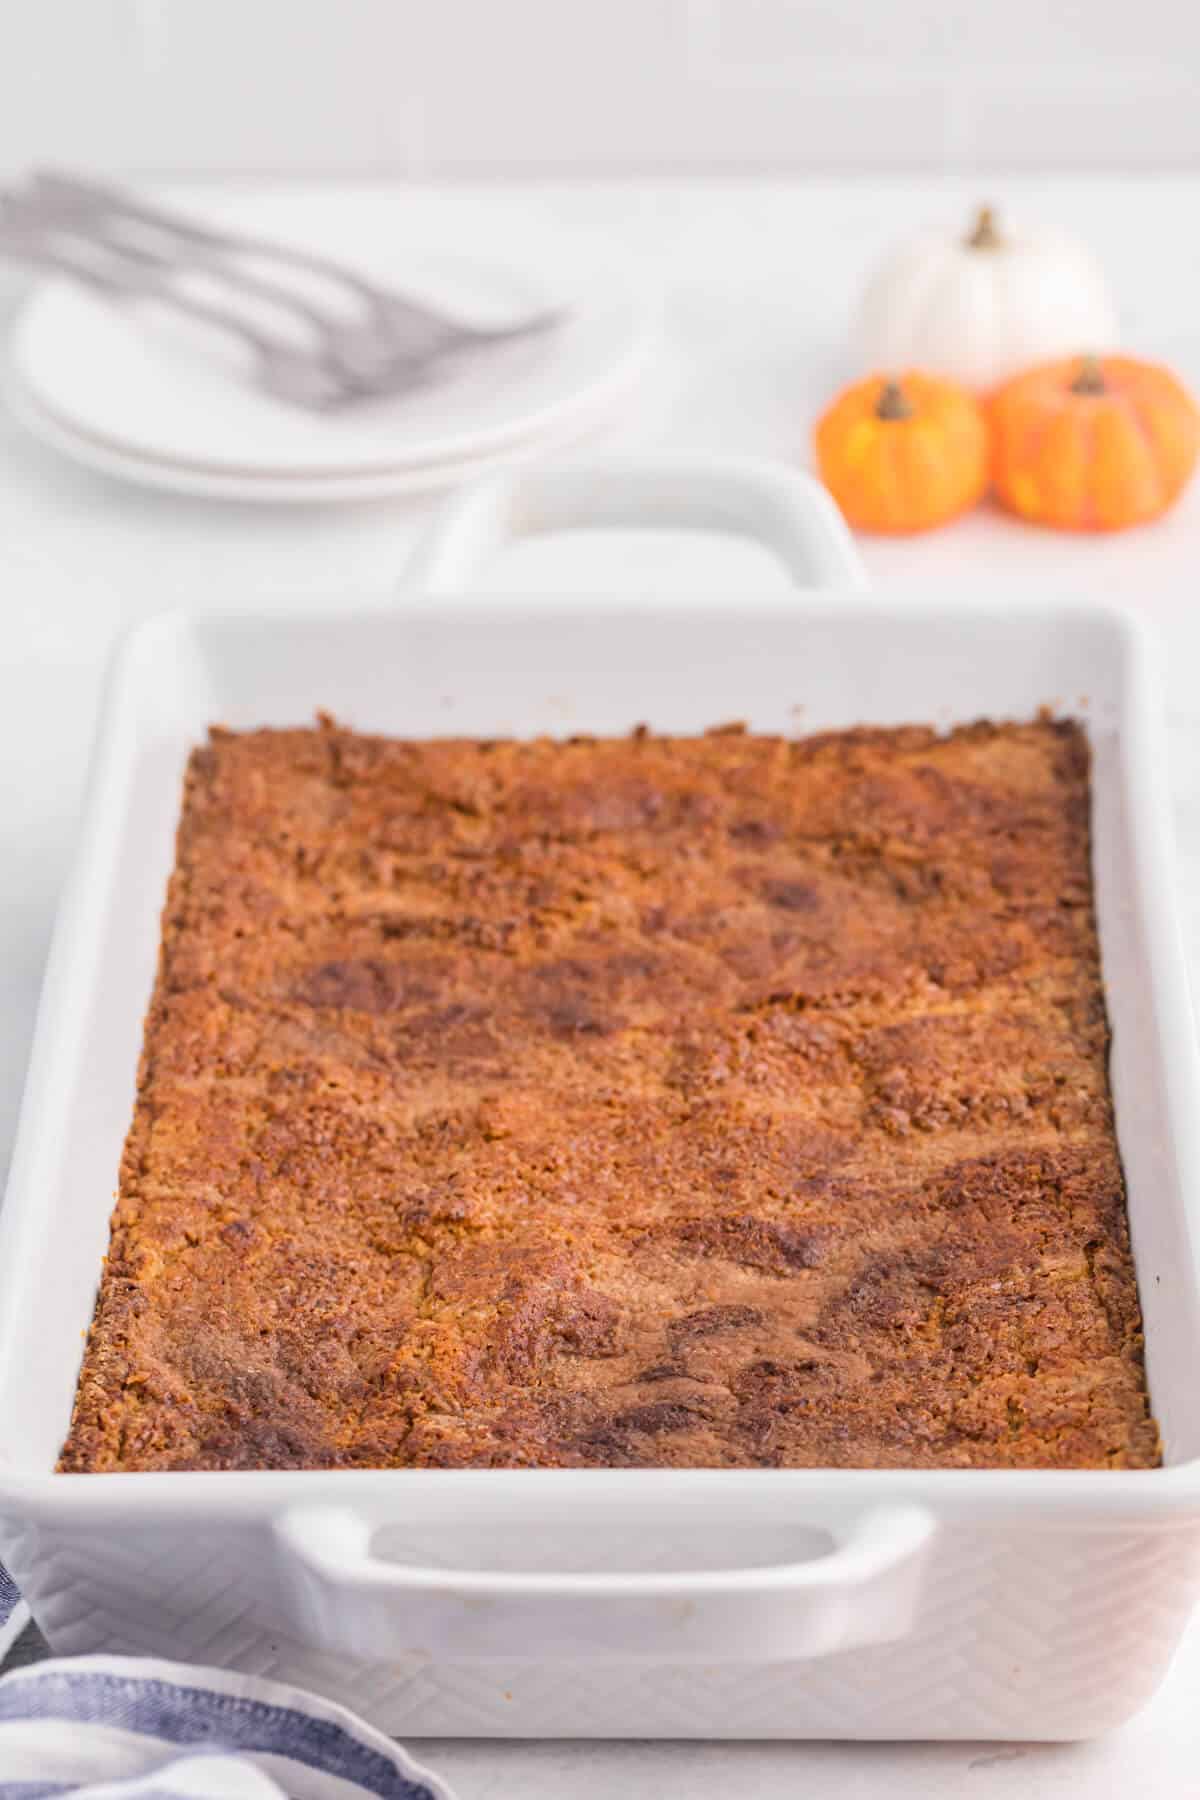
[(759, 278)]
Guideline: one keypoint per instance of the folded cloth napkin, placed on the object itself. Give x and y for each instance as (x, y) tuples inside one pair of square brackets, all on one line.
[(14, 1614), (120, 1728)]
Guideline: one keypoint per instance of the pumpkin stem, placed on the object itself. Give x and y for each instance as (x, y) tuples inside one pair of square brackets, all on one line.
[(893, 402), (984, 234), (1090, 379)]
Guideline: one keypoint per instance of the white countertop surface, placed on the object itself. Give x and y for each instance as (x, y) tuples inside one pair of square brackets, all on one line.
[(759, 278)]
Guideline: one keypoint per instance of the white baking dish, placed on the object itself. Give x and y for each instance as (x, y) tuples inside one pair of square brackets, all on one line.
[(672, 1603)]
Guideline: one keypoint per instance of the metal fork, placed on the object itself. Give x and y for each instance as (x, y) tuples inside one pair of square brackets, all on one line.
[(362, 365), (287, 372), (389, 325)]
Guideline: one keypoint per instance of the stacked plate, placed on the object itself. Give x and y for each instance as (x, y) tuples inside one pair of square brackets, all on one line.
[(151, 397)]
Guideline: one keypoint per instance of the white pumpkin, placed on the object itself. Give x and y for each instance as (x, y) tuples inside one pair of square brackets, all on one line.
[(978, 309)]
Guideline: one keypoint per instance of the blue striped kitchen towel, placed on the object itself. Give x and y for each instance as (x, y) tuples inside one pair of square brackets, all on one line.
[(120, 1728), (14, 1614)]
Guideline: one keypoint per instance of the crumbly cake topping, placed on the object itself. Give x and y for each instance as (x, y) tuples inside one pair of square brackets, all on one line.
[(717, 1101)]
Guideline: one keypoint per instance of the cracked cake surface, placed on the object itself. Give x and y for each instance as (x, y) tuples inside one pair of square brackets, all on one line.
[(714, 1101)]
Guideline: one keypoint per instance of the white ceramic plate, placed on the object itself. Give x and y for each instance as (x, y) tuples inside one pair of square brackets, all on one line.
[(142, 387), (568, 428)]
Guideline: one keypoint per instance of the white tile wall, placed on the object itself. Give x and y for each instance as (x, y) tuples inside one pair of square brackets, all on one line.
[(472, 86)]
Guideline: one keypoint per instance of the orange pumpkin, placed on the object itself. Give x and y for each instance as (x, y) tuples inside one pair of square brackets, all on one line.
[(1093, 443), (904, 454)]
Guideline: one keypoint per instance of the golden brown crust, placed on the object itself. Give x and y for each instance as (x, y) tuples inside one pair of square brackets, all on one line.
[(719, 1101)]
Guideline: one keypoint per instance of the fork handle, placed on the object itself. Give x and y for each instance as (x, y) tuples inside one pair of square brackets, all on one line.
[(145, 283), (209, 262), (115, 201)]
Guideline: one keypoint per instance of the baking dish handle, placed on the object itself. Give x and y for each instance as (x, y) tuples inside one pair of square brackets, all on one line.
[(348, 1601), (782, 508)]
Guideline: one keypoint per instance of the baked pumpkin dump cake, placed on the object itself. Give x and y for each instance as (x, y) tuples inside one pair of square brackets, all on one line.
[(714, 1101)]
